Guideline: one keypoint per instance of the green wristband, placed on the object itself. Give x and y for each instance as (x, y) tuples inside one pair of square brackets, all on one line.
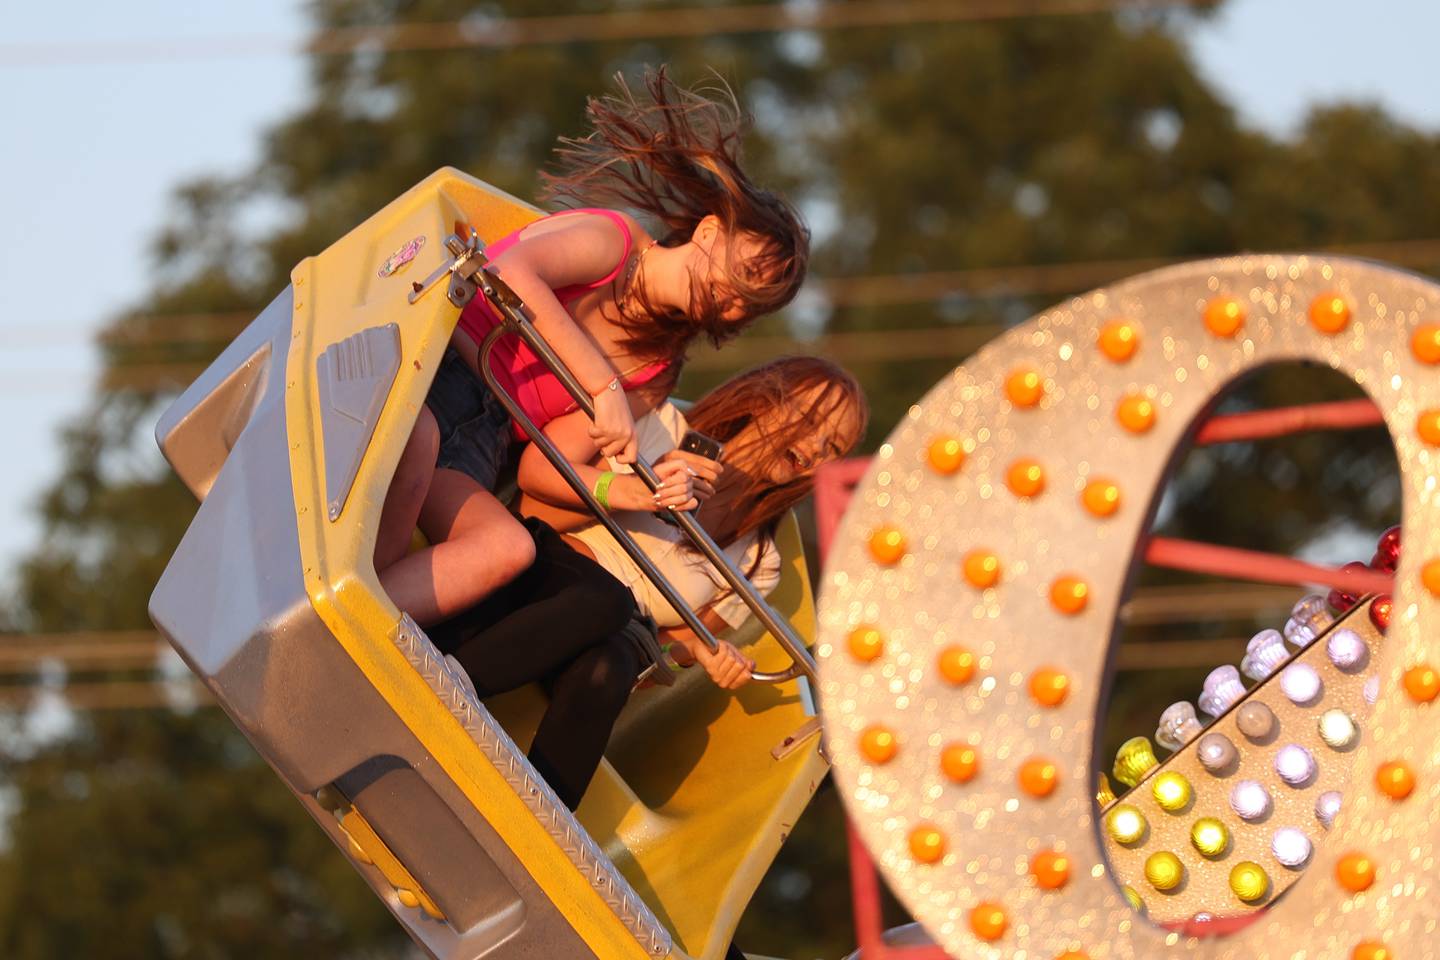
[(602, 488)]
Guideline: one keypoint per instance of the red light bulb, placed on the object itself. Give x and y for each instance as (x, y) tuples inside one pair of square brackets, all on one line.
[(1387, 551), (1339, 600), (1380, 609)]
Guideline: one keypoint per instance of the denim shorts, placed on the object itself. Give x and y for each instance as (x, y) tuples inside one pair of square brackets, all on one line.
[(474, 425)]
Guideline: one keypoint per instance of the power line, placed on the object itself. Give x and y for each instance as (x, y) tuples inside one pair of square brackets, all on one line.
[(111, 695), (877, 290), (856, 347), (481, 32)]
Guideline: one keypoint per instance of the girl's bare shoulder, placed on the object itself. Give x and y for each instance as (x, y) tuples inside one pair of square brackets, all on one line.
[(639, 236), (570, 248), (594, 222)]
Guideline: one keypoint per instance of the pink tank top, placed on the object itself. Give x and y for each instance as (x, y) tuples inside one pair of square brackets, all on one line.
[(538, 392)]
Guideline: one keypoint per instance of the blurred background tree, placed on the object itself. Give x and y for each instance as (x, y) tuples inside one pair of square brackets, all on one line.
[(959, 177)]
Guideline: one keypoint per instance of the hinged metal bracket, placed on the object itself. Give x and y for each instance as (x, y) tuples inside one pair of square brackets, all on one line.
[(469, 259)]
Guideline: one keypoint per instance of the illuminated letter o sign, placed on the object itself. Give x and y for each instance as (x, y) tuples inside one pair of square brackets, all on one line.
[(982, 563)]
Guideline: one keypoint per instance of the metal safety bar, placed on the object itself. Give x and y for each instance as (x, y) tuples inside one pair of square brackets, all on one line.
[(469, 275)]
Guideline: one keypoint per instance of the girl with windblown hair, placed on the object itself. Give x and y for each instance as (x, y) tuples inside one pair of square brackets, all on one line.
[(618, 305)]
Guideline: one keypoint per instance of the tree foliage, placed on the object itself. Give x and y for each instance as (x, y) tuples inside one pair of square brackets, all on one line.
[(914, 148)]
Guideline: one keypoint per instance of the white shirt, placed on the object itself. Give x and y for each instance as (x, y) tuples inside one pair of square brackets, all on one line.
[(697, 582)]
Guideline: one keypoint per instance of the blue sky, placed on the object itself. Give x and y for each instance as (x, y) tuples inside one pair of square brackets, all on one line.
[(92, 150)]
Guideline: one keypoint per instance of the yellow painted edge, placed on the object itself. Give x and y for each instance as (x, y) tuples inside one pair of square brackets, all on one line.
[(347, 597)]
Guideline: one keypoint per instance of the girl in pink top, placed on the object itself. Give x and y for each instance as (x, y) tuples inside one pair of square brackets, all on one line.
[(619, 306)]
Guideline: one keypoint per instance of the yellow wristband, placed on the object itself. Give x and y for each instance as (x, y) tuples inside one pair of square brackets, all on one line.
[(602, 488)]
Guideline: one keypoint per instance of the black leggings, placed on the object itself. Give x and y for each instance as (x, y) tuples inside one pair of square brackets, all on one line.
[(560, 623)]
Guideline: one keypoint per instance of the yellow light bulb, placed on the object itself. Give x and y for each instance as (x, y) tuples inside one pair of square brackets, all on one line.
[(1249, 882), (1104, 795), (1172, 791), (1210, 837), (1133, 760), (1126, 824), (1164, 870)]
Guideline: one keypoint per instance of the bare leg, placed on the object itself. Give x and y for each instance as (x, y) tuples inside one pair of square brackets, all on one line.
[(407, 491), (478, 546)]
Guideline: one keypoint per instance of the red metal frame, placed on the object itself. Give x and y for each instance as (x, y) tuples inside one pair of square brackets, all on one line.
[(835, 483)]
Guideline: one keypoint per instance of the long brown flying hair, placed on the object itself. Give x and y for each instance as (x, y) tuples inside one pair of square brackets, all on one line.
[(742, 401), (675, 155)]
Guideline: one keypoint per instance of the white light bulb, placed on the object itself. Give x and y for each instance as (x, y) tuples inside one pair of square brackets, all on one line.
[(1221, 690), (1346, 650), (1337, 729), (1291, 847), (1300, 683), (1308, 619), (1250, 800), (1263, 654), (1294, 764), (1178, 726)]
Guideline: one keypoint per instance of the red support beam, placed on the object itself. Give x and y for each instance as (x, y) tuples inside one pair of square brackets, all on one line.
[(1282, 421), (1236, 564), (865, 896)]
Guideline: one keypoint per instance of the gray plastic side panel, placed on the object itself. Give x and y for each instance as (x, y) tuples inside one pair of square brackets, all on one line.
[(471, 891), (354, 377), (198, 430), (232, 602)]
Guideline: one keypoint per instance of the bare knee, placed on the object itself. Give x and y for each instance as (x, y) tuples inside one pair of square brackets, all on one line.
[(494, 554), (514, 549)]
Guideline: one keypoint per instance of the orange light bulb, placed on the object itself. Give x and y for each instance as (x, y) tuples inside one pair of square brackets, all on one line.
[(981, 568), (988, 921), (1355, 871), (1371, 950), (1136, 413), (887, 546), (1049, 687), (1430, 576), (1425, 344), (1422, 682), (946, 455), (1224, 316), (1039, 776), (927, 844), (959, 762), (1025, 478), (1069, 595), (1395, 779), (1051, 869), (1101, 498), (957, 664), (1427, 425), (865, 643), (1025, 387), (1119, 340), (1329, 313), (878, 743)]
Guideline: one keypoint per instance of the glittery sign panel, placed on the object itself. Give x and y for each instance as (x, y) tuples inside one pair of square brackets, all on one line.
[(968, 612)]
